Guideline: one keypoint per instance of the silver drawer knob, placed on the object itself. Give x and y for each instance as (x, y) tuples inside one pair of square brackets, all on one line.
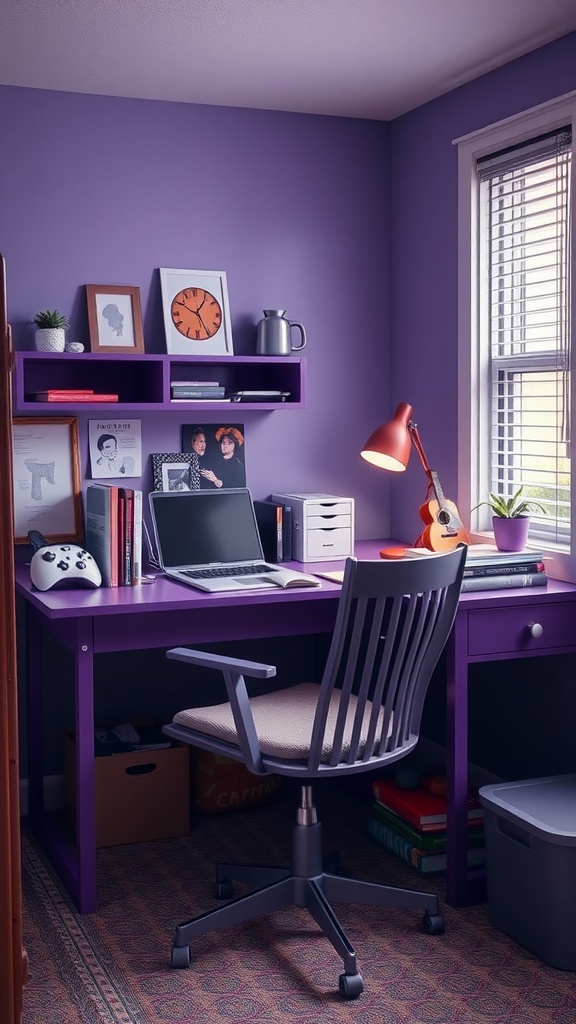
[(536, 630)]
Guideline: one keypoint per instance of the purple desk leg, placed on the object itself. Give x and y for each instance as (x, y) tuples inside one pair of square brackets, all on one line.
[(462, 886), (78, 871)]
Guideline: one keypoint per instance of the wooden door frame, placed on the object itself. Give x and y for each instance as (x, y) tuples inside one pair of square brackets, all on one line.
[(12, 955)]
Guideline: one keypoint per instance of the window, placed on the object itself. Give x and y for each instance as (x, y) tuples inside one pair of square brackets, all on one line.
[(516, 211)]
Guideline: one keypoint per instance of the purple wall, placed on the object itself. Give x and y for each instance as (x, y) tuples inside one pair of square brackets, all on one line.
[(294, 208), (424, 262), (349, 225)]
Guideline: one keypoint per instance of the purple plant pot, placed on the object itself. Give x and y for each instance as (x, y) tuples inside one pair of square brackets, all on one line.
[(511, 534)]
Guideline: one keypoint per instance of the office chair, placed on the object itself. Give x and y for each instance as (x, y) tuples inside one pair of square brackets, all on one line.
[(392, 623)]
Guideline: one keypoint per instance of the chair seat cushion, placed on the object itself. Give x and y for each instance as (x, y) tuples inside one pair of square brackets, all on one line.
[(283, 720)]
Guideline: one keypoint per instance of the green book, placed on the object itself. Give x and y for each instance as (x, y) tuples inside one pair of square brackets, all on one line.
[(425, 840), (425, 862)]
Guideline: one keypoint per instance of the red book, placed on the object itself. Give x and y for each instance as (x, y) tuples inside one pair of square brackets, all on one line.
[(73, 396), (425, 810)]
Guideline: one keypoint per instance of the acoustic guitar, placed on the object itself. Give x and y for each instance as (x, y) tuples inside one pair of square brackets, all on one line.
[(443, 529)]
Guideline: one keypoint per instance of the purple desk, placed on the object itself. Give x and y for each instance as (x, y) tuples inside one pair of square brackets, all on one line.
[(493, 625)]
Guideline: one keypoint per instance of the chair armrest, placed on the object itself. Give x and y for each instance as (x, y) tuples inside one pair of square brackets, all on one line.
[(233, 671), (255, 669)]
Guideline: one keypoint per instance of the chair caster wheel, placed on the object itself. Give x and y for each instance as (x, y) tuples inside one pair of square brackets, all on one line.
[(433, 924), (180, 956), (350, 985), (223, 889)]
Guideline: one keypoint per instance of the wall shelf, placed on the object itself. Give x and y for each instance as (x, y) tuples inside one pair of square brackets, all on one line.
[(142, 382)]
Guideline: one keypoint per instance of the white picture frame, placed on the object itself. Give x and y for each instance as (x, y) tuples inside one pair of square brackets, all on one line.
[(203, 327)]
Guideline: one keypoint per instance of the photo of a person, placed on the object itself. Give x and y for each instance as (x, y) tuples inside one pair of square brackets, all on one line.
[(108, 447), (229, 470), (198, 450)]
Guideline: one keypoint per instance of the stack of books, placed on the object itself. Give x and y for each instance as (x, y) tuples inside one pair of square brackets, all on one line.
[(71, 395), (487, 568), (197, 391), (412, 824), (113, 533), (490, 569)]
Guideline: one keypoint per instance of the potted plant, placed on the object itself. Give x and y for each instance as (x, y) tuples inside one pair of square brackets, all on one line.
[(511, 518), (50, 334)]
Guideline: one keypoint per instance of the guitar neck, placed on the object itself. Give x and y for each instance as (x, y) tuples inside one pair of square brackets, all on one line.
[(446, 517)]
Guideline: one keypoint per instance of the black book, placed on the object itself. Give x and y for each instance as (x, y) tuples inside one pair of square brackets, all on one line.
[(275, 528)]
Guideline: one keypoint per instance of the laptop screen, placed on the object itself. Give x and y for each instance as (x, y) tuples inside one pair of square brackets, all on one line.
[(201, 527)]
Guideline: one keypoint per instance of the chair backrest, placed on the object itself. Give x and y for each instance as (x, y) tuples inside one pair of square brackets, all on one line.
[(393, 621)]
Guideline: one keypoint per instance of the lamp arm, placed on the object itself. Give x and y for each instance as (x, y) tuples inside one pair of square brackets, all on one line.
[(412, 427)]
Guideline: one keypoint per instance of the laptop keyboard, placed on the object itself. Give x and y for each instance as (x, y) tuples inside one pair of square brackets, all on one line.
[(228, 570)]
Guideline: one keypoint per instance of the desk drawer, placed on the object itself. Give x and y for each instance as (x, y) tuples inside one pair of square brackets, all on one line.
[(502, 630), (328, 521), (327, 543)]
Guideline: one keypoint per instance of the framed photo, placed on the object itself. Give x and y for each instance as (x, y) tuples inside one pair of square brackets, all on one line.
[(218, 453), (114, 318), (196, 312), (46, 470), (171, 471)]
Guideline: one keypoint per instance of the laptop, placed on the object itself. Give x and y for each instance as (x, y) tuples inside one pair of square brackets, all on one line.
[(210, 539)]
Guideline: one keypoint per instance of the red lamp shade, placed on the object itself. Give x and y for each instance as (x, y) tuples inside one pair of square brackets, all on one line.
[(390, 445)]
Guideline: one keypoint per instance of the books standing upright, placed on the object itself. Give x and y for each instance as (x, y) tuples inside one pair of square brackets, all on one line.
[(113, 531), (101, 529)]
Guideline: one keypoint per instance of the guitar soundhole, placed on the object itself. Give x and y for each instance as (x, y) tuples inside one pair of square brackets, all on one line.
[(443, 517)]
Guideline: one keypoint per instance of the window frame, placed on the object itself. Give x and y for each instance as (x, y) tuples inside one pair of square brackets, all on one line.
[(473, 404)]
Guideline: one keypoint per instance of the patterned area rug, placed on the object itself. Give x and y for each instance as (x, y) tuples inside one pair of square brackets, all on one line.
[(112, 967)]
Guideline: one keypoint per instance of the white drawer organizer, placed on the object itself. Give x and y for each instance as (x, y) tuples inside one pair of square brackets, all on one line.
[(322, 526)]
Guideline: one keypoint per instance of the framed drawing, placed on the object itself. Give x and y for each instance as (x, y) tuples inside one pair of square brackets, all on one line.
[(196, 312), (114, 318), (46, 469), (171, 471)]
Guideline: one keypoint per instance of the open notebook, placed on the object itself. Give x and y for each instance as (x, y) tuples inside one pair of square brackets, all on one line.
[(210, 540)]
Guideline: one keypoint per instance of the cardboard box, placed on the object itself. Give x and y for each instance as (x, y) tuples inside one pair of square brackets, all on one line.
[(140, 796), (220, 784)]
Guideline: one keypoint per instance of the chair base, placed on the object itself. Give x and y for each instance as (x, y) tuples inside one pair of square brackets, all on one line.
[(307, 884)]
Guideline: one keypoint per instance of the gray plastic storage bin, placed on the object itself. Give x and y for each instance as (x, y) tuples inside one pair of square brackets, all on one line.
[(530, 829)]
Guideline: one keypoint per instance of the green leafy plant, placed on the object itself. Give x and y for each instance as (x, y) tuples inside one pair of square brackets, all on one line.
[(511, 508), (51, 318)]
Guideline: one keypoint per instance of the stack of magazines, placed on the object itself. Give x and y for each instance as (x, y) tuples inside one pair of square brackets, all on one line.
[(487, 568)]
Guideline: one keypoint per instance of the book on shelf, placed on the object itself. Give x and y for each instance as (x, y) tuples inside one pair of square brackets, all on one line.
[(72, 396), (101, 529), (204, 398), (503, 569), (431, 840), (194, 383), (418, 806), (424, 861), (186, 391), (509, 581)]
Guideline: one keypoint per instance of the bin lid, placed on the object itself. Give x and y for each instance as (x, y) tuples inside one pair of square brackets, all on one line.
[(546, 807)]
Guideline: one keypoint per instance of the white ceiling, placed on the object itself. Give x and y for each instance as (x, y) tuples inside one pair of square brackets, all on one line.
[(354, 58)]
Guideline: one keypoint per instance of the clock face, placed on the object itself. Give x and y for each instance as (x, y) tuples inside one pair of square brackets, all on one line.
[(196, 313)]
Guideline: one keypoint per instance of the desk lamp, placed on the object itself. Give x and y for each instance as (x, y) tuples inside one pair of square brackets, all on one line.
[(389, 447)]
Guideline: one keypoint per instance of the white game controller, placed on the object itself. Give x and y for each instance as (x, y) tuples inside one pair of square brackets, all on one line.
[(63, 565)]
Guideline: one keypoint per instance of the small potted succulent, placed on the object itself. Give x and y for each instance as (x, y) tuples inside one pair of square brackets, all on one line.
[(511, 518), (51, 331)]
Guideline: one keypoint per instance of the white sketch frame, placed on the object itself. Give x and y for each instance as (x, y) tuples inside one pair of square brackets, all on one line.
[(55, 509), (214, 281)]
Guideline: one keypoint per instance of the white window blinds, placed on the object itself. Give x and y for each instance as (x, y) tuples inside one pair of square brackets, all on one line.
[(524, 322)]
